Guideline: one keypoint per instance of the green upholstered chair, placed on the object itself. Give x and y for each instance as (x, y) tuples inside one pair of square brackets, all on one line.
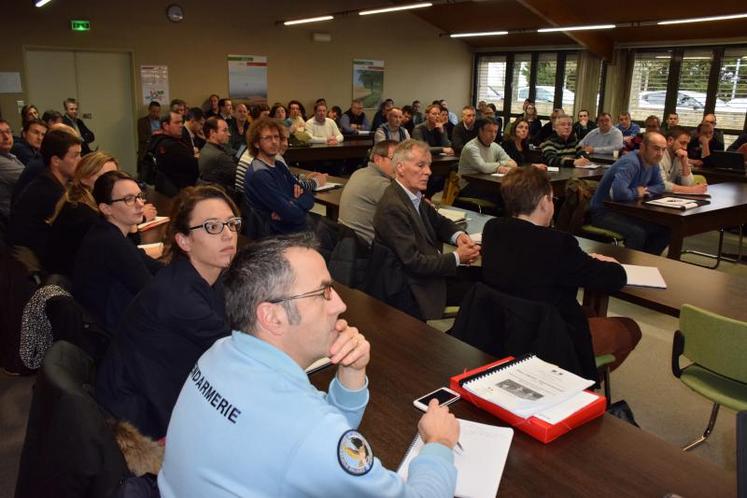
[(475, 204), (717, 348), (602, 234)]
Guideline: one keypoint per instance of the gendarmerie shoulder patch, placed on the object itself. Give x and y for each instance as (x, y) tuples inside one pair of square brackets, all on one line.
[(354, 453)]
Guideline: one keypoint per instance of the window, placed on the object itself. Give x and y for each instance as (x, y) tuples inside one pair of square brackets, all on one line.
[(569, 84), (544, 99), (648, 87), (732, 89), (520, 80), (693, 87), (491, 80)]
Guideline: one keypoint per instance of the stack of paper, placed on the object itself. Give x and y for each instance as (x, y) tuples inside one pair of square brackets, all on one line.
[(644, 276), (328, 186), (158, 220), (453, 214)]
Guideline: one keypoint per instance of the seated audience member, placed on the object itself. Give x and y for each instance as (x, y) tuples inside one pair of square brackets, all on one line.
[(27, 148), (549, 128), (432, 131), (702, 144), (673, 119), (278, 111), (176, 317), (535, 124), (52, 118), (212, 109), (482, 155), (322, 129), (296, 120), (633, 176), (629, 129), (584, 125), (177, 164), (605, 139), (465, 130), (453, 119), (365, 187), (28, 226), (448, 126), (76, 212), (494, 114), (354, 119), (514, 261), (412, 228), (193, 133), (651, 123), (380, 116), (258, 111), (225, 110), (216, 166), (71, 119), (240, 125), (260, 446), (391, 130), (407, 122), (29, 112), (178, 106), (517, 144), (146, 127), (334, 114), (269, 185), (675, 167), (10, 170), (417, 114), (718, 135), (561, 149), (109, 269)]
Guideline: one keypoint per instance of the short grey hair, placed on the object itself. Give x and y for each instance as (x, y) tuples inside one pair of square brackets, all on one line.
[(262, 273), (403, 152)]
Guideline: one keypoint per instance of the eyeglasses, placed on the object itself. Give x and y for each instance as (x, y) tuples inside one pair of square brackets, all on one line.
[(130, 199), (214, 227), (325, 291)]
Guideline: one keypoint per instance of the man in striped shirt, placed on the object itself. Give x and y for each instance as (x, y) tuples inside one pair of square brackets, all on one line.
[(562, 148)]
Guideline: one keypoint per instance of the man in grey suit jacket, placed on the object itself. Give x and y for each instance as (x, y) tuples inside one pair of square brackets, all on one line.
[(412, 228)]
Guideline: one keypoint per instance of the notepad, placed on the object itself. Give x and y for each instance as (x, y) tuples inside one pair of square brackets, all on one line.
[(328, 186), (589, 166), (676, 203), (644, 276), (318, 365), (481, 462), (158, 220), (553, 169), (452, 214)]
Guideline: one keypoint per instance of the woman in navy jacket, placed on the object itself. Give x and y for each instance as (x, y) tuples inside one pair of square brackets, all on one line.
[(176, 317)]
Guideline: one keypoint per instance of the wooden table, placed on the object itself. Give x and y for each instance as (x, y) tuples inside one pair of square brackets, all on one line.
[(604, 458), (558, 180), (727, 207), (330, 199), (355, 148), (715, 291)]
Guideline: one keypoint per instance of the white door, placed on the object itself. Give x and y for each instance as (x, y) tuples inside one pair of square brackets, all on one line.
[(102, 84)]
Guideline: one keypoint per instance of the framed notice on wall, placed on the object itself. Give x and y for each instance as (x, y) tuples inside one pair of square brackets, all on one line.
[(368, 81), (155, 83), (247, 78)]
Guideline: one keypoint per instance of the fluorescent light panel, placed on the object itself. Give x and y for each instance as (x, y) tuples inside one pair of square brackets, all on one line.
[(41, 3), (703, 19), (576, 28), (484, 33), (395, 9), (307, 20)]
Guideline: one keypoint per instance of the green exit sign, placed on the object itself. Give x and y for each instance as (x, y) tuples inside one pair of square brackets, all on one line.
[(80, 25)]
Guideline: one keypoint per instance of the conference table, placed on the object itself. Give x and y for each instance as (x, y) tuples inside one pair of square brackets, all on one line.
[(713, 176), (349, 149), (604, 458), (727, 207), (330, 199), (491, 182)]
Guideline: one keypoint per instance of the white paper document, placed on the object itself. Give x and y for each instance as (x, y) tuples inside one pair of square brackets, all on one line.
[(553, 169), (498, 174), (479, 463), (328, 186), (452, 214), (589, 166), (528, 387), (644, 276), (562, 411), (674, 203), (158, 220)]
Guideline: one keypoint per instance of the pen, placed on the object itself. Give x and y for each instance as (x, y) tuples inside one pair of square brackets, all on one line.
[(459, 448)]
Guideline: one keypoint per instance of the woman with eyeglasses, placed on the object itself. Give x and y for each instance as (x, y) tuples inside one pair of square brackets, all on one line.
[(176, 317), (109, 268)]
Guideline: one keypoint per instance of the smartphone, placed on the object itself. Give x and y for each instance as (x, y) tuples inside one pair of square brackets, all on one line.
[(444, 396)]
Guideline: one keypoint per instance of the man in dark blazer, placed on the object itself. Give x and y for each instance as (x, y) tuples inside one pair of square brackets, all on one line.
[(412, 228), (146, 126), (523, 257), (71, 119)]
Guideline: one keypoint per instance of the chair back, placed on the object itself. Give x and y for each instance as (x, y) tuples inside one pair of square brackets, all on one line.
[(573, 213), (715, 342), (69, 450), (348, 262)]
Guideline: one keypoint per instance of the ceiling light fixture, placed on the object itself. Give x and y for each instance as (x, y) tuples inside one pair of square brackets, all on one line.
[(484, 33), (395, 9), (307, 20), (41, 3), (702, 19), (576, 28)]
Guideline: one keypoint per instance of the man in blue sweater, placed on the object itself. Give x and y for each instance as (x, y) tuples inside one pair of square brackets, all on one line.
[(634, 176), (270, 187)]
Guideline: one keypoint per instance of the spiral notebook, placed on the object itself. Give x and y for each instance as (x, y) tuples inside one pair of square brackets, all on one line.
[(479, 464)]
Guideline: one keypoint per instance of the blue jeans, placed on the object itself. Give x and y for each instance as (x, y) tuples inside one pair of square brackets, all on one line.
[(638, 234)]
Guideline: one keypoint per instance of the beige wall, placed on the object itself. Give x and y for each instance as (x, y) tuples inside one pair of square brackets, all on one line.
[(418, 63)]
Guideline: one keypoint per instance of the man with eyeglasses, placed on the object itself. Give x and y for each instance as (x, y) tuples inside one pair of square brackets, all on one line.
[(270, 187), (363, 191), (634, 176), (249, 419)]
